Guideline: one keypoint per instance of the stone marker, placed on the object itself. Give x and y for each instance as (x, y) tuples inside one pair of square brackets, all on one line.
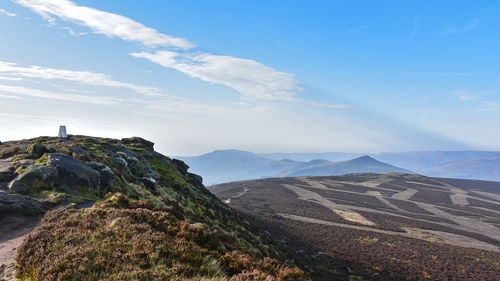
[(62, 132)]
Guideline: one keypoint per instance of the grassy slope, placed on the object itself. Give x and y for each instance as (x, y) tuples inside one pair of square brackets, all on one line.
[(177, 231)]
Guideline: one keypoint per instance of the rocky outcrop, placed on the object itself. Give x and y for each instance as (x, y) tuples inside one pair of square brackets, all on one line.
[(107, 175), (36, 150), (64, 173), (34, 179), (19, 204), (7, 171)]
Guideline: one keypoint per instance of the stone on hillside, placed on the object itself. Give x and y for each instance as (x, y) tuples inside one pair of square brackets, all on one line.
[(149, 183), (36, 150), (34, 179), (19, 204), (7, 152), (107, 175), (74, 175), (195, 179), (137, 142), (7, 171), (181, 166), (122, 165), (60, 172)]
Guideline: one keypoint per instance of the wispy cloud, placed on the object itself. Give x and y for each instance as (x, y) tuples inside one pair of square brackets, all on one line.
[(252, 79), (12, 71), (22, 91), (72, 32), (479, 100), (456, 29), (101, 22), (6, 13), (465, 95)]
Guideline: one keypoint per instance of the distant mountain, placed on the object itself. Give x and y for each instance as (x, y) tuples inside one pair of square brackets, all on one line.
[(304, 157), (425, 162), (485, 169), (233, 165), (363, 164)]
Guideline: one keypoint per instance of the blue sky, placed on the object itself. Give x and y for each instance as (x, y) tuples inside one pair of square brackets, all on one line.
[(265, 76)]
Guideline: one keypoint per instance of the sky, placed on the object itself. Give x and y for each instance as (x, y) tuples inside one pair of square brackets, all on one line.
[(264, 76)]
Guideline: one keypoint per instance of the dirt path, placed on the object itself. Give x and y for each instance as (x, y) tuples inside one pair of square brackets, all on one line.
[(13, 229)]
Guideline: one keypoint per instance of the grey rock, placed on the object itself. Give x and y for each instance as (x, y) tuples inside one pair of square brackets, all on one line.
[(34, 179), (181, 166), (37, 150), (19, 204), (107, 174), (136, 166), (122, 165), (195, 179), (149, 183), (74, 175), (7, 171)]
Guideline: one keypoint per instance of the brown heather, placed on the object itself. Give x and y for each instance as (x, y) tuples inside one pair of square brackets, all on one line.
[(136, 244)]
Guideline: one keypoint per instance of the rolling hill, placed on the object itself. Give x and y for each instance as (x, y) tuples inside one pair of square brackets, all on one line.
[(408, 226)]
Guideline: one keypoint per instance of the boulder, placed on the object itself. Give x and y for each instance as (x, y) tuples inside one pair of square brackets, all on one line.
[(149, 183), (7, 152), (36, 150), (137, 166), (34, 179), (60, 172), (107, 175), (19, 204), (181, 166), (122, 165), (195, 179), (74, 175), (7, 171), (137, 142)]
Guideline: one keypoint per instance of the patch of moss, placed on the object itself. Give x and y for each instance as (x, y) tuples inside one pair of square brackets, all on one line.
[(42, 161)]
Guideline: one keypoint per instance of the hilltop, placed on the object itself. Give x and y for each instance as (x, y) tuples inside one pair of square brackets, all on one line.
[(118, 210)]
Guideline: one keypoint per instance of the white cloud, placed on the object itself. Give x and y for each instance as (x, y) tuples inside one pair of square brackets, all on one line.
[(72, 32), (101, 22), (22, 91), (15, 72), (6, 13), (252, 79), (10, 78)]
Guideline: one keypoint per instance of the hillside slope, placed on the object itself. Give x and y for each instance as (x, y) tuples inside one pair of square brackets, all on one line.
[(152, 219), (408, 226)]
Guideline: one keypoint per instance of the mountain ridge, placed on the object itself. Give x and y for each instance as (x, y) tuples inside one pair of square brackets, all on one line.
[(430, 163)]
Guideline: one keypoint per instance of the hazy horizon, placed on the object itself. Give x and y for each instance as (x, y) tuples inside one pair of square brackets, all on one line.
[(270, 77)]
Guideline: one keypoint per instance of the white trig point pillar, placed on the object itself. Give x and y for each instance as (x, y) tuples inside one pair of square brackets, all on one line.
[(62, 132)]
